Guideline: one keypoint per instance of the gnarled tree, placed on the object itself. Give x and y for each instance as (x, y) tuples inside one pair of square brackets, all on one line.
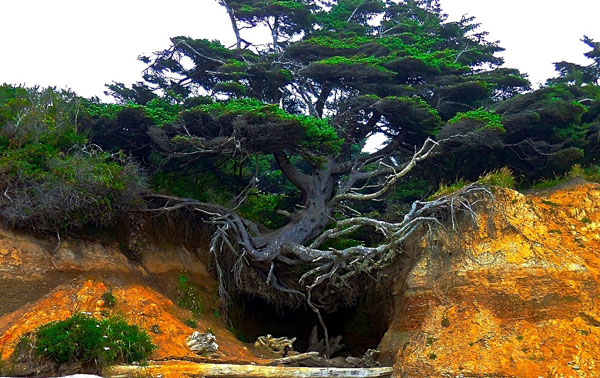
[(335, 75)]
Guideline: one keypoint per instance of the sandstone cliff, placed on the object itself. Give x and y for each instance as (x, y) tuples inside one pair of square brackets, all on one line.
[(516, 296)]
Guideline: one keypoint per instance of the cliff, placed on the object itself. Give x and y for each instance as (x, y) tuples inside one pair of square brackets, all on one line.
[(515, 295)]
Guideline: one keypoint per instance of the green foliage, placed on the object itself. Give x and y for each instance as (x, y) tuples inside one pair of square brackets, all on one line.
[(109, 299), (591, 173), (159, 110), (261, 207), (446, 189), (547, 183), (51, 178), (192, 323), (319, 134), (502, 177), (488, 119), (340, 243), (188, 296), (92, 342), (371, 61), (410, 190)]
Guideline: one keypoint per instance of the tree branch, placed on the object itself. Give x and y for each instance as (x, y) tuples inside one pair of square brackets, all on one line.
[(299, 179)]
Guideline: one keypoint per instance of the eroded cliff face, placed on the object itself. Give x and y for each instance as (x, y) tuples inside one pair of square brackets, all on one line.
[(516, 299), (40, 283), (517, 296)]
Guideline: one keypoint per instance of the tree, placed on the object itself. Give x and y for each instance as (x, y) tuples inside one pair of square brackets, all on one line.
[(332, 77), (572, 73)]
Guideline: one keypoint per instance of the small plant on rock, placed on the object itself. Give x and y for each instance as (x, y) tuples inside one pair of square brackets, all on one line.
[(109, 299), (191, 323), (188, 296)]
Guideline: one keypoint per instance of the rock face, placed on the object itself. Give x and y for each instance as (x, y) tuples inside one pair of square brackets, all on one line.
[(519, 299), (40, 283), (517, 296)]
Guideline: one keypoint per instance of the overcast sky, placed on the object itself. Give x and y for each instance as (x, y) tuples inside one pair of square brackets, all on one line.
[(83, 44)]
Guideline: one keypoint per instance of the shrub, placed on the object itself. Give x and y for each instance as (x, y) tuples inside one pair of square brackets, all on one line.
[(51, 179), (591, 173), (502, 177), (96, 344)]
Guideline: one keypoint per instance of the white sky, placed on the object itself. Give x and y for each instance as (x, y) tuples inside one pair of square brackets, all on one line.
[(84, 44)]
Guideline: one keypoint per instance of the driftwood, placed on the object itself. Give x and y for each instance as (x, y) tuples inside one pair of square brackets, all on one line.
[(316, 345), (293, 359), (202, 343), (277, 345), (190, 369)]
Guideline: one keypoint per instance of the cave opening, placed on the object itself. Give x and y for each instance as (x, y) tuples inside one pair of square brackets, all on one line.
[(361, 326)]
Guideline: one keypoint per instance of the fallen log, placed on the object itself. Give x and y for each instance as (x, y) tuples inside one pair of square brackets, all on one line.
[(190, 369)]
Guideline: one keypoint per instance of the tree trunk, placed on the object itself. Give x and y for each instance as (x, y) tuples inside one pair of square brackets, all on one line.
[(234, 26), (308, 222)]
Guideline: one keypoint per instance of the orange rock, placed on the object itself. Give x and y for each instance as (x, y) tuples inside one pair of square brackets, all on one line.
[(48, 287), (519, 301)]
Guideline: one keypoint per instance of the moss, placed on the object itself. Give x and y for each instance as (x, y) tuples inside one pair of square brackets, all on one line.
[(191, 323)]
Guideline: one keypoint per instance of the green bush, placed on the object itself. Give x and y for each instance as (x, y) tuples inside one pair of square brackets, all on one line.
[(51, 179), (96, 344)]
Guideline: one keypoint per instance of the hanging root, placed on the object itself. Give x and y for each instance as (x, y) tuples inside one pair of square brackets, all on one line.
[(331, 278)]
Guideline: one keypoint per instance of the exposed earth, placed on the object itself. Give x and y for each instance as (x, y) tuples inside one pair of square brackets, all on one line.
[(516, 296)]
